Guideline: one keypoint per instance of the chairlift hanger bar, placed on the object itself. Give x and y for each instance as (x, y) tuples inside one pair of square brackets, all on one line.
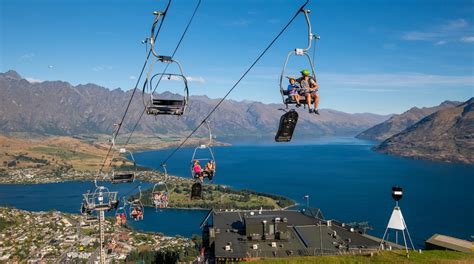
[(174, 52), (135, 89)]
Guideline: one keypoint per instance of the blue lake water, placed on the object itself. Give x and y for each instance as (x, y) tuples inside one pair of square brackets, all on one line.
[(343, 177)]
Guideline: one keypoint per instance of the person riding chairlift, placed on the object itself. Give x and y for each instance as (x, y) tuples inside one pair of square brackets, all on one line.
[(197, 170), (294, 90), (123, 217), (137, 214), (157, 197), (210, 169), (164, 200), (310, 88)]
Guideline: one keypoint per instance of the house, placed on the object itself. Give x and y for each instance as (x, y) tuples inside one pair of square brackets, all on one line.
[(442, 242)]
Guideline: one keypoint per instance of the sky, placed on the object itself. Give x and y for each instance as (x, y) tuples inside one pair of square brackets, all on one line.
[(373, 56)]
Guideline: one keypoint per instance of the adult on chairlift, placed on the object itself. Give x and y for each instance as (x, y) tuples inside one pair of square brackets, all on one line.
[(160, 199), (198, 173), (310, 88), (209, 170)]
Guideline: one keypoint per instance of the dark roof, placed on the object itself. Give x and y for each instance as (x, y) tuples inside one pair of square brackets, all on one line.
[(306, 236)]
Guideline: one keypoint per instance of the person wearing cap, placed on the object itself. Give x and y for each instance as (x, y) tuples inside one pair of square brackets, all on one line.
[(293, 89), (310, 88)]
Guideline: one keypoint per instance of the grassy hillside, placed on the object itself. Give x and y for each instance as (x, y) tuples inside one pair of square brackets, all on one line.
[(429, 256), (50, 153)]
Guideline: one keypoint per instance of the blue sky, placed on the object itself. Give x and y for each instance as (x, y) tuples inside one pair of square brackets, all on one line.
[(374, 56)]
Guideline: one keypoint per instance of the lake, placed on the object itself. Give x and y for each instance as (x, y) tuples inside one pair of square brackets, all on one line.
[(342, 176)]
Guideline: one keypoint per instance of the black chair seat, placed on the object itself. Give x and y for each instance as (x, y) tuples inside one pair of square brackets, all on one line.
[(168, 102), (287, 126), (289, 100), (164, 110), (166, 107), (196, 191), (123, 178)]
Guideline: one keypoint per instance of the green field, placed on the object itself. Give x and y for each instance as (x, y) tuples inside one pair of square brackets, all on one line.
[(64, 153), (429, 256)]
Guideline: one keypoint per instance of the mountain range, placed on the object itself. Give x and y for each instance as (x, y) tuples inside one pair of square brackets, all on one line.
[(446, 135), (398, 123), (59, 108)]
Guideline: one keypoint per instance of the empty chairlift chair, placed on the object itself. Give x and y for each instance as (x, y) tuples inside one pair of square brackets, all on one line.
[(159, 105), (121, 175)]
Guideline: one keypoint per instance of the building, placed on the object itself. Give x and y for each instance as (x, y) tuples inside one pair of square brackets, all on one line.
[(442, 242), (243, 235)]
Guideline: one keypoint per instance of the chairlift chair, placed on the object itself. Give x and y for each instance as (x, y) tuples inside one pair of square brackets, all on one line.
[(100, 199), (137, 206), (120, 175), (204, 158), (164, 106), (288, 100), (160, 195)]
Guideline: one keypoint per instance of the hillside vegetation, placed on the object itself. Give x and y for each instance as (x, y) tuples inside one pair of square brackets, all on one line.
[(218, 197), (398, 257)]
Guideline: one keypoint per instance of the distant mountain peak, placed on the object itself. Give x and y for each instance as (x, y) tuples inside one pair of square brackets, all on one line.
[(59, 108), (11, 74), (398, 123)]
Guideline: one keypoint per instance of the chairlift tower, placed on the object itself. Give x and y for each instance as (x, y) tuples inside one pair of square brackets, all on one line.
[(101, 200), (397, 222)]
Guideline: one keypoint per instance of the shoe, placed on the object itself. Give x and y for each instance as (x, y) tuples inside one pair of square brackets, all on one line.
[(316, 111), (310, 111), (298, 105)]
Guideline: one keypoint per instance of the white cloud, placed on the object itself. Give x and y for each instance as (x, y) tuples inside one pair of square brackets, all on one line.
[(101, 68), (132, 77), (468, 39), (27, 56), (273, 21), (438, 34), (240, 22), (418, 35), (455, 25), (33, 80), (395, 80), (197, 79)]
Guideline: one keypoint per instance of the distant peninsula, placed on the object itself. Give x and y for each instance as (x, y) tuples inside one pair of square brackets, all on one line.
[(446, 135), (216, 197)]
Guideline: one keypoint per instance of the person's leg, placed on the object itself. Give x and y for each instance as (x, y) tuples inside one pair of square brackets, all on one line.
[(308, 101), (316, 103), (297, 99)]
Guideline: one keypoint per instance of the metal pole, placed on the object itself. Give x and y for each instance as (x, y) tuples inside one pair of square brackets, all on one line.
[(101, 237), (405, 241)]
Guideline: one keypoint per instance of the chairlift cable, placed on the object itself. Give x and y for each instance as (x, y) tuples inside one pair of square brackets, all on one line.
[(301, 9)]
